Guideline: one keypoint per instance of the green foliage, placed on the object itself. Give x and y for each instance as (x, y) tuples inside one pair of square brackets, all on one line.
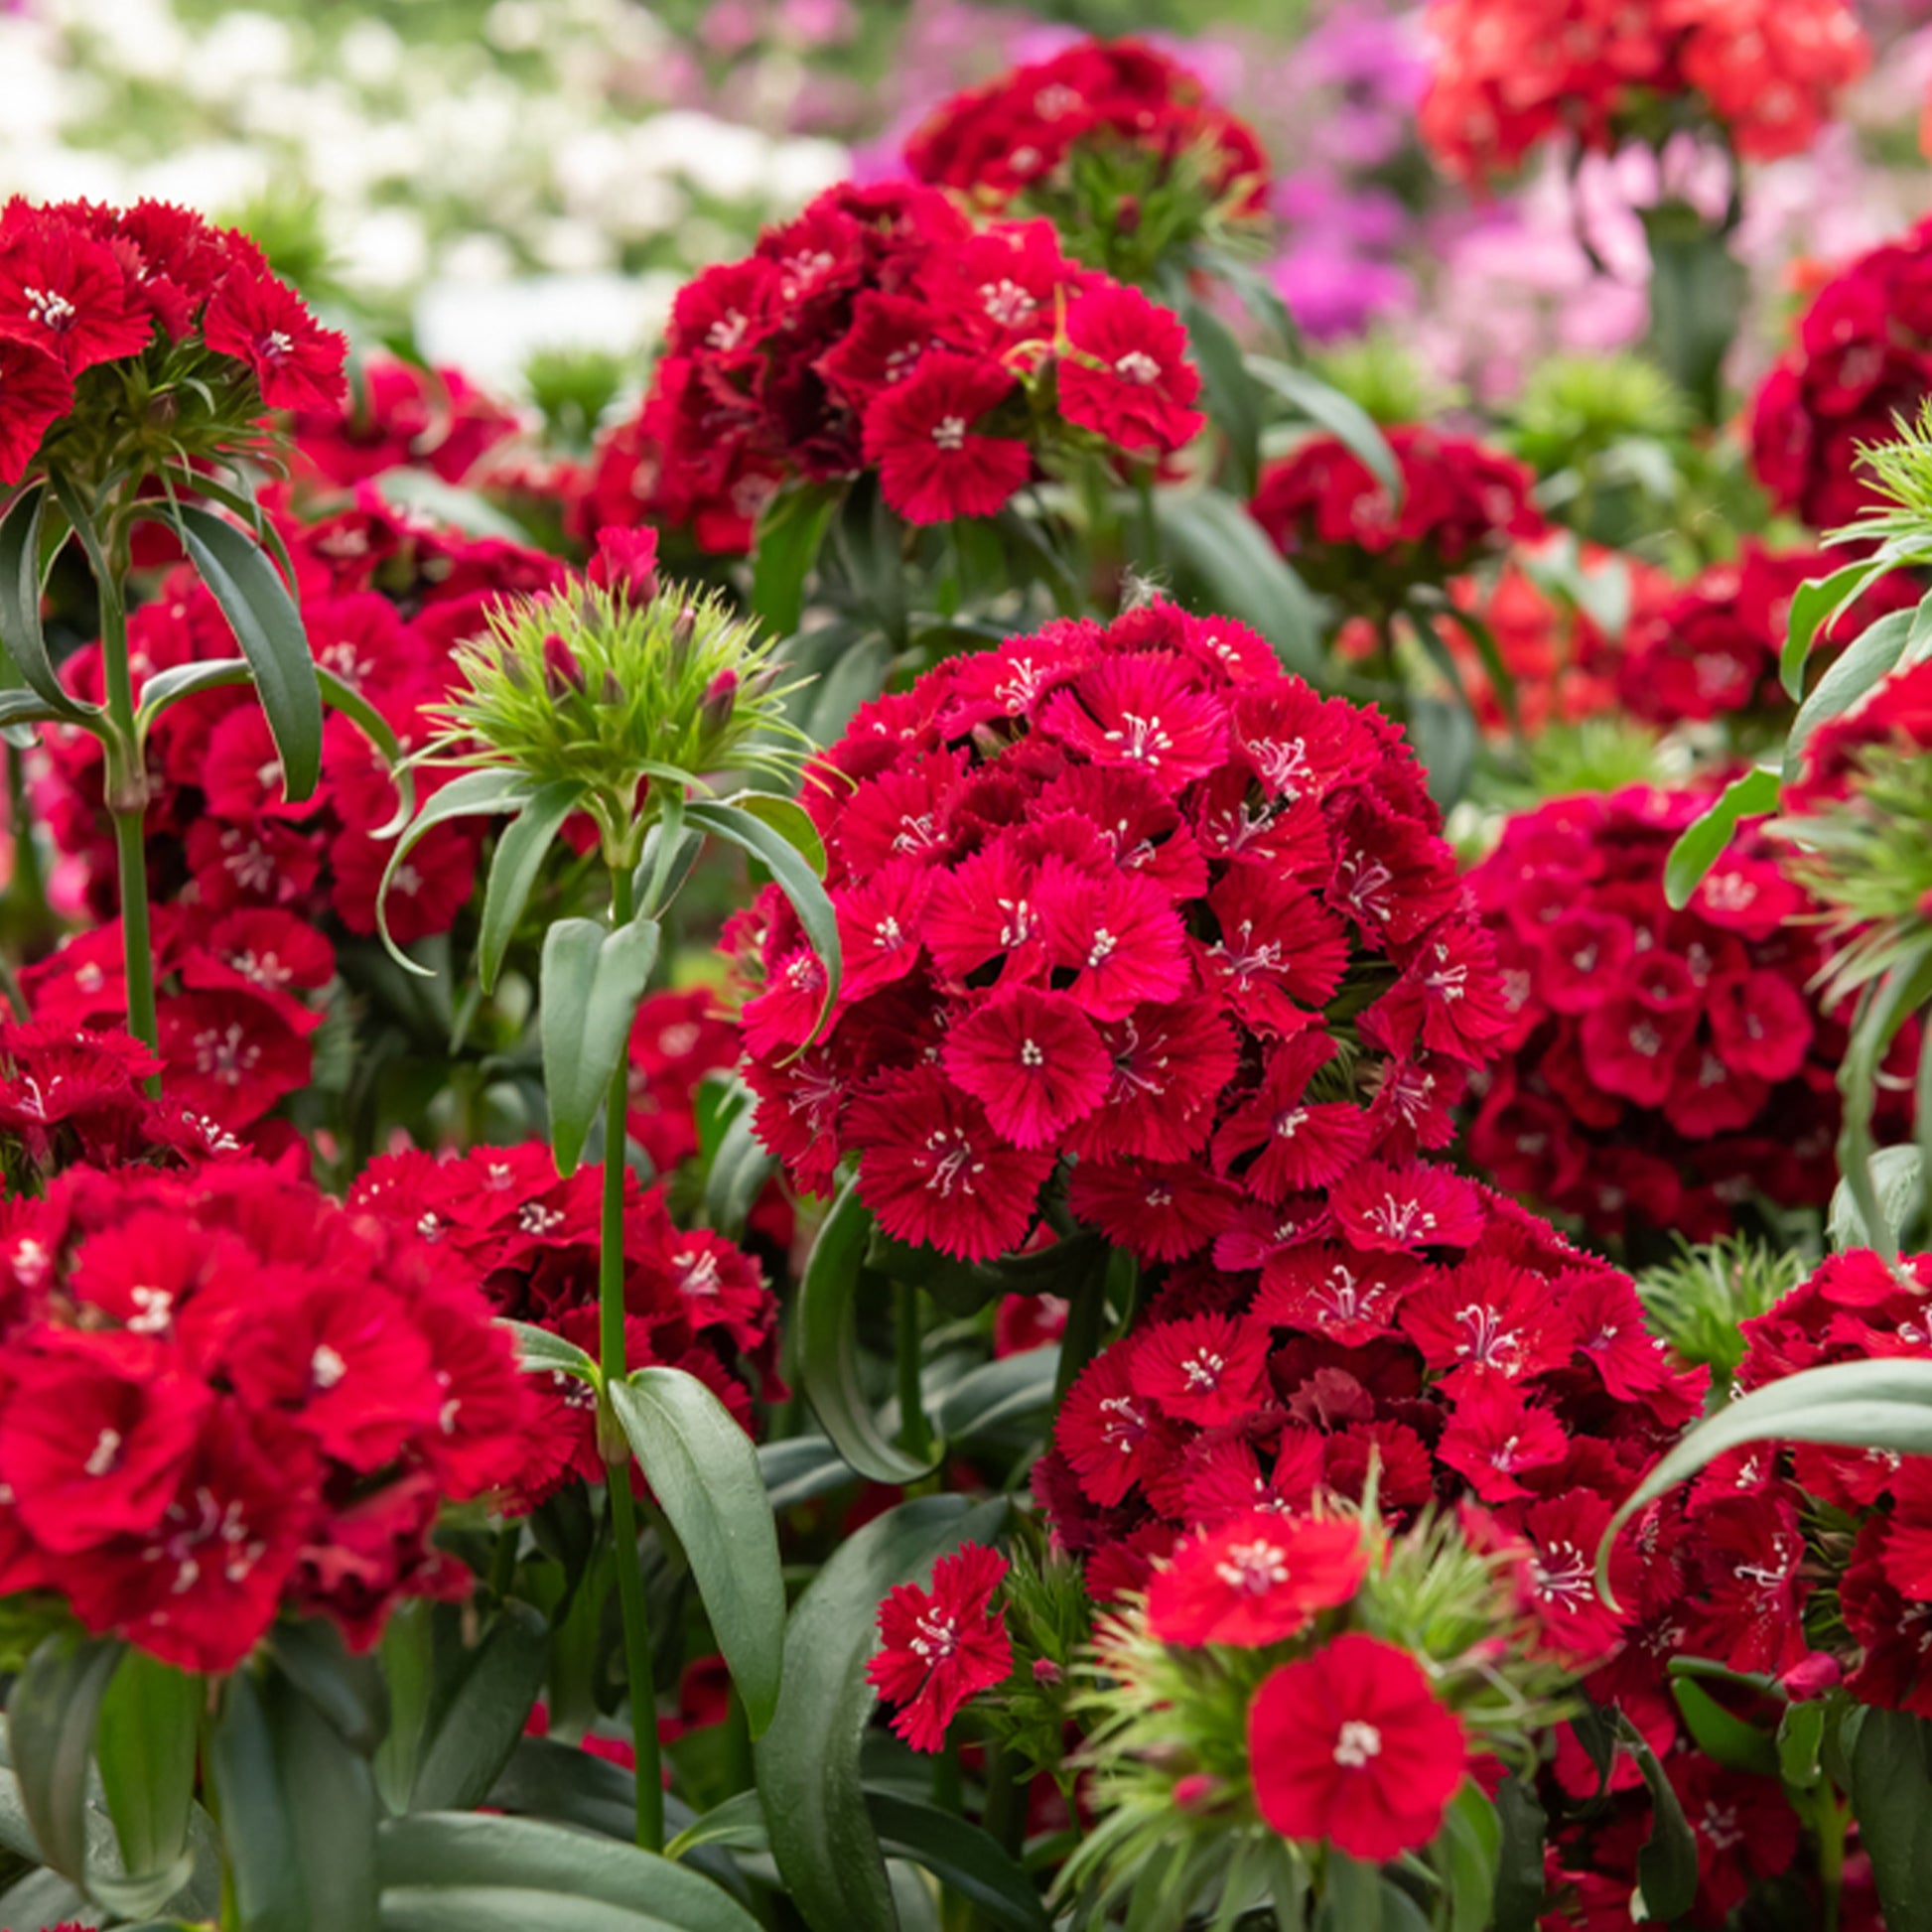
[(1696, 1300), (1384, 378)]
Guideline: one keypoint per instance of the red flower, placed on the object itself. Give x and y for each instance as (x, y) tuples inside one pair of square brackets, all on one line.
[(933, 462), (262, 321), (1204, 1368), (1034, 1061), (35, 393), (940, 1648), (1129, 379), (1350, 1746), (1254, 1580), (65, 293)]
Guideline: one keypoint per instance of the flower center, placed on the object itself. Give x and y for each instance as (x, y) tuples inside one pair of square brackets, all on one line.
[(949, 432), (325, 1367), (1137, 365), (105, 1452), (1356, 1743), (1254, 1568), (50, 308)]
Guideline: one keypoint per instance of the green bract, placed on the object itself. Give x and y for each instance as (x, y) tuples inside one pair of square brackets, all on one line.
[(628, 701)]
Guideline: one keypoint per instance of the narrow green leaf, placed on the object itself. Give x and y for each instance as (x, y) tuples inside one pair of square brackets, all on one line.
[(1720, 1734), (967, 1862), (328, 1789), (180, 681), (795, 878), (800, 1468), (51, 1718), (785, 546), (828, 1346), (1813, 605), (1242, 573), (791, 820), (474, 1723), (145, 1745), (1470, 1846), (1443, 731), (521, 848), (592, 982), (1871, 657), (1891, 1798), (704, 1472), (1702, 843), (475, 794), (540, 1351), (822, 1835), (738, 1825), (269, 628), (260, 1832), (439, 1855), (565, 1784), (739, 1165), (19, 602), (1518, 1902), (1351, 1899), (1232, 397), (1341, 415), (1667, 1867), (997, 1395), (348, 1691), (1801, 1734)]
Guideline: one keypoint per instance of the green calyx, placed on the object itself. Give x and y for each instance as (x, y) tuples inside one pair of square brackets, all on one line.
[(628, 701)]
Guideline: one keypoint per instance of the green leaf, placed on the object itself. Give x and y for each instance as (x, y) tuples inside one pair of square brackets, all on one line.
[(1866, 661), (1242, 573), (1720, 1734), (145, 1747), (521, 848), (269, 628), (801, 1467), (967, 1862), (258, 1829), (999, 1394), (328, 1789), (19, 602), (478, 1714), (347, 1691), (1470, 1846), (1444, 734), (180, 681), (566, 1784), (795, 876), (430, 1863), (784, 547), (822, 1834), (1341, 415), (737, 1168), (1702, 843), (1667, 1867), (1884, 1405), (540, 1351), (1891, 1798), (1519, 1859), (828, 1346), (1801, 1735), (493, 789), (704, 1472), (738, 1825), (592, 982), (1351, 1899), (1815, 604), (425, 494), (791, 820), (1696, 291), (1232, 398), (51, 1717), (1897, 1185)]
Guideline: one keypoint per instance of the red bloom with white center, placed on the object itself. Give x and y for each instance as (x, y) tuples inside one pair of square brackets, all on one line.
[(1203, 1369), (1254, 1580), (263, 323), (1098, 891), (940, 1648), (1127, 377), (934, 461), (1350, 1747), (64, 292), (1661, 1067)]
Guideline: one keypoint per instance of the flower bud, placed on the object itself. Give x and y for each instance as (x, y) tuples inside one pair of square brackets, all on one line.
[(1196, 1791), (684, 627), (1126, 214), (1046, 1671), (613, 692), (1811, 1676), (627, 562), (720, 699), (563, 676)]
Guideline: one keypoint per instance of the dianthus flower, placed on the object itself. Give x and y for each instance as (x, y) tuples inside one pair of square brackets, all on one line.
[(1660, 1068), (1860, 362), (940, 1648), (402, 416), (880, 330), (1509, 74), (224, 1395), (692, 1301), (1106, 139), (1712, 649), (1254, 1580), (1352, 1747), (82, 286), (1098, 892), (1332, 519)]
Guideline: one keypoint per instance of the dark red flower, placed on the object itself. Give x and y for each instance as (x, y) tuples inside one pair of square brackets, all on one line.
[(934, 464), (1128, 377), (263, 323), (940, 1647)]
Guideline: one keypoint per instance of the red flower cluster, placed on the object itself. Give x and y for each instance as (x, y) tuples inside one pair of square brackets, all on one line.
[(691, 1300), (1660, 1068), (221, 1395), (880, 330), (1330, 516), (1351, 1745), (1712, 649), (1099, 892), (675, 1041), (1417, 1323), (1862, 359), (940, 1647), (401, 415), (1017, 134), (1510, 74), (236, 1009), (218, 830), (83, 285)]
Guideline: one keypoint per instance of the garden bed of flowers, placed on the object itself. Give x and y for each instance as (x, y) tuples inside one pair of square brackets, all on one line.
[(1070, 1073)]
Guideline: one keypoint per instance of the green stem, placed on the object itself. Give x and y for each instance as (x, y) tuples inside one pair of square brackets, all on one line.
[(1005, 1815), (1086, 1322), (616, 1449), (1831, 1853), (127, 804), (914, 1435)]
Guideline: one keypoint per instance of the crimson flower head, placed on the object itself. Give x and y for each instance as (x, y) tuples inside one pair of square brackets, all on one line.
[(263, 323), (941, 1647), (1128, 377), (1350, 1747), (1255, 1579), (936, 460)]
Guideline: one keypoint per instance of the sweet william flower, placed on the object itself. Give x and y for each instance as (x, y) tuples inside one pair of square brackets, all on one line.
[(940, 1647), (35, 393), (263, 323), (1254, 1580), (1128, 377), (64, 292), (934, 461), (1351, 1747)]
